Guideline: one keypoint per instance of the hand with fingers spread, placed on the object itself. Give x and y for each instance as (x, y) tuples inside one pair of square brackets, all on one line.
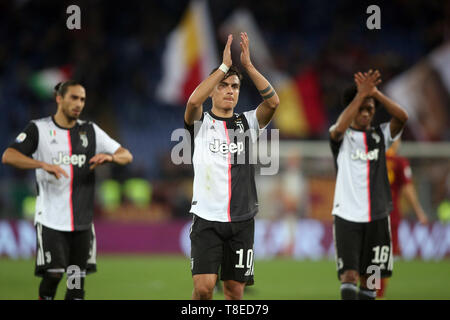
[(227, 52), (99, 159), (367, 82), (245, 51), (55, 170)]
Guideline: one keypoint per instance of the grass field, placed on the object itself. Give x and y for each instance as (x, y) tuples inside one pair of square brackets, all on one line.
[(168, 277)]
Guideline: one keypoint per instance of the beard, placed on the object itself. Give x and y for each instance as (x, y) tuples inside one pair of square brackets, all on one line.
[(70, 117)]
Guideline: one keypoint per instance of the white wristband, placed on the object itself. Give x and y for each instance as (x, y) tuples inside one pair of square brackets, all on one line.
[(224, 68)]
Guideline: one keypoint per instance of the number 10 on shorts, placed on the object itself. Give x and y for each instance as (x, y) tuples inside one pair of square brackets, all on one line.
[(249, 261)]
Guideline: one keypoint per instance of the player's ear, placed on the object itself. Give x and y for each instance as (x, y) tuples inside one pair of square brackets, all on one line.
[(58, 99)]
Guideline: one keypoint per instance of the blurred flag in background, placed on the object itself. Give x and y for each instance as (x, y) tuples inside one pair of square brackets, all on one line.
[(424, 91), (43, 82), (189, 56)]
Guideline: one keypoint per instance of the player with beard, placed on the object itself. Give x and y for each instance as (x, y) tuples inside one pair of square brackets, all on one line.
[(63, 151)]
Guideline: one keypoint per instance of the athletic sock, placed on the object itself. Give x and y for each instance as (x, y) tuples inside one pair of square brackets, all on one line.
[(76, 293), (349, 291), (48, 286), (366, 294)]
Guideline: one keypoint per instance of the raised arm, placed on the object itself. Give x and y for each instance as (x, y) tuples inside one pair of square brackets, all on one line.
[(194, 106), (399, 115), (366, 86), (266, 109)]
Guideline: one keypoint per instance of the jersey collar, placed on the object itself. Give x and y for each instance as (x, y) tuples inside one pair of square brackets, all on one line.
[(220, 118), (53, 119)]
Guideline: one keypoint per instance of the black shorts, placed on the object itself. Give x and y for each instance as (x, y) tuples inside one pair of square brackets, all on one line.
[(228, 245), (57, 250), (362, 245)]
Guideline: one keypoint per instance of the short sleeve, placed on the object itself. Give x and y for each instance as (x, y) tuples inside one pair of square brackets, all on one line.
[(191, 127), (386, 129), (253, 120), (253, 124), (27, 141), (334, 145), (104, 143)]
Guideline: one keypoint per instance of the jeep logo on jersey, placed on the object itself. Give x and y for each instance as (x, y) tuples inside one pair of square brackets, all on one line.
[(75, 159), (361, 155), (224, 147)]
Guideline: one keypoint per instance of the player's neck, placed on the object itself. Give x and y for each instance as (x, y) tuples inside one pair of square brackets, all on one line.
[(228, 113), (62, 121), (354, 125)]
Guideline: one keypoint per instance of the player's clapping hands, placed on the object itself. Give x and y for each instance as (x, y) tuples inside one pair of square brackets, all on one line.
[(245, 51), (367, 82), (227, 52)]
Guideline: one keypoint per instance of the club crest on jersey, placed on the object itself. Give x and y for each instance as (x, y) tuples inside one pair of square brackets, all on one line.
[(361, 155), (376, 137), (84, 140), (240, 125), (75, 159), (224, 147)]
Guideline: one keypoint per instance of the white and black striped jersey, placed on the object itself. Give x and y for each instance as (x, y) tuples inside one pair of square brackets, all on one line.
[(64, 204), (224, 177), (362, 191)]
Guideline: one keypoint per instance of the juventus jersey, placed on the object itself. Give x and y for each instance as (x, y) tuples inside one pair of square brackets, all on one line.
[(362, 191), (64, 204), (224, 177)]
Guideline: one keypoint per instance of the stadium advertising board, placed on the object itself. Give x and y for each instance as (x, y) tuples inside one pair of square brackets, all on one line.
[(299, 239)]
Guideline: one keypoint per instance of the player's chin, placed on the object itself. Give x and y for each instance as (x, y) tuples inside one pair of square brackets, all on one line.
[(363, 122), (229, 104)]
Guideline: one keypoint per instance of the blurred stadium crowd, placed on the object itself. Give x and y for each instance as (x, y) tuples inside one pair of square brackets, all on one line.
[(117, 56)]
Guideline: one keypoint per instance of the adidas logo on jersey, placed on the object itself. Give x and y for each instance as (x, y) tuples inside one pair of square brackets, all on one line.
[(225, 147), (361, 155), (75, 159)]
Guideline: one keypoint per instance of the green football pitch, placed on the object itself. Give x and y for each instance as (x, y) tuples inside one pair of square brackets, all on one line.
[(168, 277)]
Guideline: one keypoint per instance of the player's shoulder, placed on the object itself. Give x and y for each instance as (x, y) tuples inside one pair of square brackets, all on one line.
[(43, 120), (86, 123), (381, 127), (40, 123), (247, 113), (249, 116)]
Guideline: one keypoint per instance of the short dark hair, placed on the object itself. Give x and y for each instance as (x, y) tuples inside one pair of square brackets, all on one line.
[(233, 71), (349, 94), (61, 88)]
